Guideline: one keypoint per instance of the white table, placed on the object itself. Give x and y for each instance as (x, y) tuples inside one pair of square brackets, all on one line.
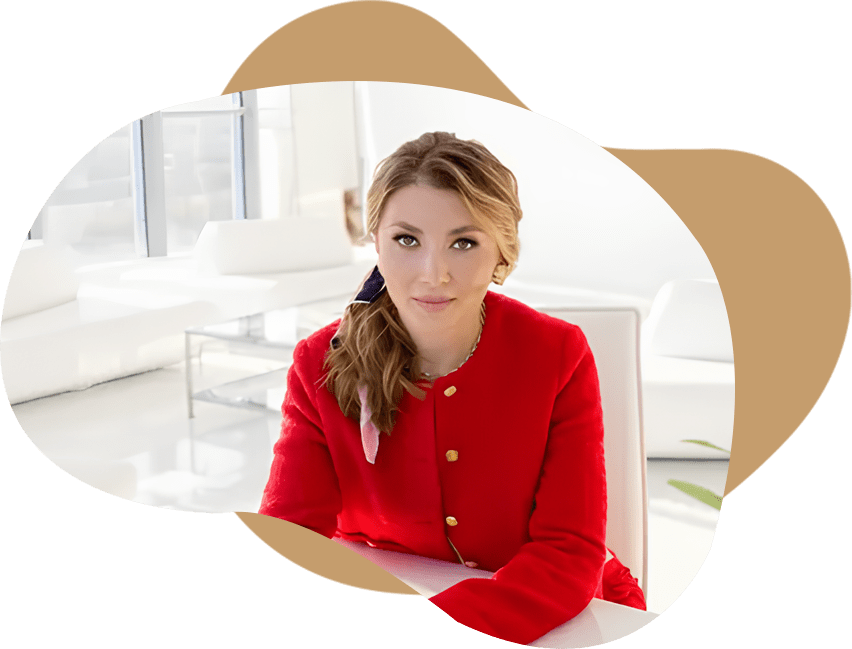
[(599, 622)]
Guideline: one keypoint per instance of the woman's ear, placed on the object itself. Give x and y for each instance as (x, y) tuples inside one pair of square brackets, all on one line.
[(375, 241)]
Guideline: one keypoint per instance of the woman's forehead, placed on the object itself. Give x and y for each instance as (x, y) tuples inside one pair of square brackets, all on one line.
[(426, 209)]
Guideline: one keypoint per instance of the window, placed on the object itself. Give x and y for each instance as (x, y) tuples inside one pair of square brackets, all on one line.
[(199, 156), (149, 188), (91, 210)]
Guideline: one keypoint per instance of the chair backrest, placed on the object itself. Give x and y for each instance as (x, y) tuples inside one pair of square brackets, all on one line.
[(613, 336)]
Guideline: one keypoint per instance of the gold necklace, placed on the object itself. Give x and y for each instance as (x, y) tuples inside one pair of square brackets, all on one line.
[(481, 326)]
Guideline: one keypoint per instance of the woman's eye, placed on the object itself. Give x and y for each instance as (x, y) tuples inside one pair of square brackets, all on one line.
[(406, 240)]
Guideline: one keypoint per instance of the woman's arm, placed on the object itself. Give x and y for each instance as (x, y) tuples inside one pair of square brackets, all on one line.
[(303, 486), (556, 574)]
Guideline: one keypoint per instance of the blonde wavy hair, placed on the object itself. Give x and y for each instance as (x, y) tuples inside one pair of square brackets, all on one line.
[(372, 347)]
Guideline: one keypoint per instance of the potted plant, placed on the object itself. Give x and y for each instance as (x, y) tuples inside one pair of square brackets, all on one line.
[(700, 493)]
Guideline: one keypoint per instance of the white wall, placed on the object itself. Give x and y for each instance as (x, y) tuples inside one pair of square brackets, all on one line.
[(276, 152), (324, 138), (589, 221)]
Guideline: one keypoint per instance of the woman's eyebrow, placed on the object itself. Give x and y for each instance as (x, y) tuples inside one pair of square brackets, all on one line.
[(411, 228)]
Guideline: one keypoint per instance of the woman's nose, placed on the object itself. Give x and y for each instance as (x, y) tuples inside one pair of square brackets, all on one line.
[(436, 270)]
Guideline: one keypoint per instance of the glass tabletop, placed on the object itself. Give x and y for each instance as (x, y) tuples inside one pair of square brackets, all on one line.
[(271, 336), (280, 328), (260, 392)]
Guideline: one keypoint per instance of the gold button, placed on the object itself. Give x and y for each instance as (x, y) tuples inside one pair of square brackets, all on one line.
[(450, 391), (452, 456), (451, 521), (471, 564)]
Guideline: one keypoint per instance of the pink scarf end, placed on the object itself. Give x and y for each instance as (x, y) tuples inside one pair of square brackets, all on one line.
[(369, 432)]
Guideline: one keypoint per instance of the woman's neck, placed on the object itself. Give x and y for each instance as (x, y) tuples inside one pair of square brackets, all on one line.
[(444, 351)]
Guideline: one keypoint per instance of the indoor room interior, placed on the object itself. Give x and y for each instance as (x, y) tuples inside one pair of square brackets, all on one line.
[(152, 312)]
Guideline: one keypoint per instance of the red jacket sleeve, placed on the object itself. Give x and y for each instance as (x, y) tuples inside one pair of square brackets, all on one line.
[(555, 575), (303, 486)]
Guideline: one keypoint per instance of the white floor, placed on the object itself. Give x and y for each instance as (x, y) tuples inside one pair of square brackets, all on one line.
[(132, 437)]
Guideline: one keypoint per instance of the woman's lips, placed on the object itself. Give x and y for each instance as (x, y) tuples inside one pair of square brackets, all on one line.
[(432, 305)]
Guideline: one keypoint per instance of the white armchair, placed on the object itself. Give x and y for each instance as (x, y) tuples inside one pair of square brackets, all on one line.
[(613, 336)]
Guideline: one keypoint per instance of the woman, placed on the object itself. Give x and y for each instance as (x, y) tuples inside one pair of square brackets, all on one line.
[(441, 419)]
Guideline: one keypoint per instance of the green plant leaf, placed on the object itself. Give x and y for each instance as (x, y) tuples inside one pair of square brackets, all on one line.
[(699, 493), (701, 442)]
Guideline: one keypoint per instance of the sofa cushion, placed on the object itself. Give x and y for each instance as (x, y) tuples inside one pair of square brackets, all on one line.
[(254, 246), (688, 319), (43, 277)]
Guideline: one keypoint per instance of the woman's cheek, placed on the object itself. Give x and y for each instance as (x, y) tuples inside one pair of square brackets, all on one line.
[(480, 270)]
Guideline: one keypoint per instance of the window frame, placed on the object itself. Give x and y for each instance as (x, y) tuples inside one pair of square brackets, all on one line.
[(148, 174)]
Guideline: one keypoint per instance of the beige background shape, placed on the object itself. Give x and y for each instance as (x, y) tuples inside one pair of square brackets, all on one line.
[(424, 52), (772, 242), (322, 556)]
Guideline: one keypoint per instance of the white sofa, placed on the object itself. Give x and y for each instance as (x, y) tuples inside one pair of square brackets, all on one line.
[(68, 329), (687, 371)]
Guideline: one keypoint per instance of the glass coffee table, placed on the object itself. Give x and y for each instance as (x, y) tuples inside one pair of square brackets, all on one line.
[(270, 336)]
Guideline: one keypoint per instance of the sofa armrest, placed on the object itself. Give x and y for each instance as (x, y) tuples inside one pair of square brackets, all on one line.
[(43, 277), (688, 319)]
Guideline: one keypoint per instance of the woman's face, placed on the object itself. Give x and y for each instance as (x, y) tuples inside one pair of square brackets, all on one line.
[(436, 262)]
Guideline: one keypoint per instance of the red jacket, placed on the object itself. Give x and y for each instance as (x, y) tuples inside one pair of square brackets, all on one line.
[(524, 494)]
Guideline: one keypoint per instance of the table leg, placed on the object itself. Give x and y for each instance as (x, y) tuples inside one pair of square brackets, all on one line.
[(188, 376)]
